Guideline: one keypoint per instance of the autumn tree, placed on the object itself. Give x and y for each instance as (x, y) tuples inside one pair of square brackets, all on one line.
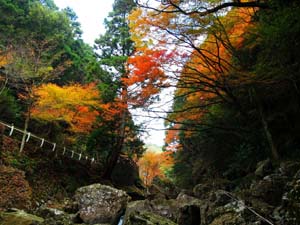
[(154, 164), (44, 44), (75, 104), (221, 94), (34, 52)]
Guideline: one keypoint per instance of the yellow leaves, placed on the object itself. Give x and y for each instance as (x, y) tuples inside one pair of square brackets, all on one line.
[(75, 104), (154, 164), (5, 58), (58, 97)]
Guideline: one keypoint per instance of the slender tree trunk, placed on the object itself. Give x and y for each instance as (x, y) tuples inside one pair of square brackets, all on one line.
[(27, 119), (269, 137)]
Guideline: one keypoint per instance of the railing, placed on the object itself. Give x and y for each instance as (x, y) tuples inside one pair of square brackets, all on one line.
[(63, 150)]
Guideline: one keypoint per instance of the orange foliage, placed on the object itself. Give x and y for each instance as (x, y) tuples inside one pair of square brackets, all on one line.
[(154, 164), (5, 58), (75, 104), (208, 68), (146, 75)]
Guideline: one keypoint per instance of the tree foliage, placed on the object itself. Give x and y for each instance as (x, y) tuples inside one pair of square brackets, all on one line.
[(235, 80), (74, 104), (154, 164)]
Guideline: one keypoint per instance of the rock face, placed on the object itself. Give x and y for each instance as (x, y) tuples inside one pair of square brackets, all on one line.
[(14, 189), (100, 203)]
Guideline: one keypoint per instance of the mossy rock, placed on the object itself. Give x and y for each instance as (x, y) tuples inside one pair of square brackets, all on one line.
[(147, 218), (19, 217)]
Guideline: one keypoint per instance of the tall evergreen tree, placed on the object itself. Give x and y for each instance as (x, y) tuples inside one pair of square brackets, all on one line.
[(114, 48)]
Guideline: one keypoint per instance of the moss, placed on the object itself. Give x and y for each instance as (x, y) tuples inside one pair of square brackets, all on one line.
[(20, 218)]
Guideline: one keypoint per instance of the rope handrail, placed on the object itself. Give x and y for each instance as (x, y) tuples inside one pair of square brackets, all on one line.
[(43, 141), (247, 207)]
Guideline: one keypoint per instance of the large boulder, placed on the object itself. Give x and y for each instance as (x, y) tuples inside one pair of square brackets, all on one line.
[(99, 203), (15, 191)]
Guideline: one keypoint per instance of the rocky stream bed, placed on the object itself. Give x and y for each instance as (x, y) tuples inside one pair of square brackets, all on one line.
[(271, 195)]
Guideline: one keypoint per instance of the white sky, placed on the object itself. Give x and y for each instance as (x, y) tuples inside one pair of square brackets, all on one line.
[(91, 14)]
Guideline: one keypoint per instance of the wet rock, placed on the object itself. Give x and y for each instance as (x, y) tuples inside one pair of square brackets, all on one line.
[(14, 189), (100, 203), (19, 217)]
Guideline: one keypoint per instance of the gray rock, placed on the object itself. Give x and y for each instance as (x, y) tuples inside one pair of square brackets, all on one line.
[(185, 210), (99, 203)]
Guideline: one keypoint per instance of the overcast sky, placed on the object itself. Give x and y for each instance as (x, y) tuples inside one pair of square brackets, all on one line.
[(91, 14)]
